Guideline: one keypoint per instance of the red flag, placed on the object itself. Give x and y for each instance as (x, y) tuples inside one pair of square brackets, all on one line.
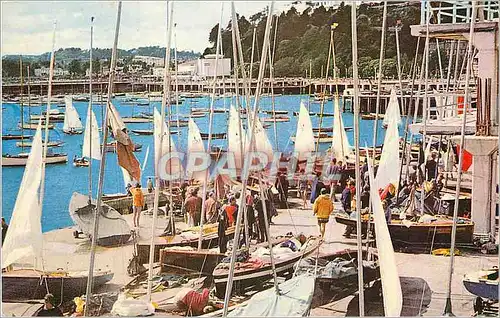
[(467, 161)]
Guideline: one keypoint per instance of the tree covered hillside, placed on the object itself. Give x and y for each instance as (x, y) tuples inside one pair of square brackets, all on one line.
[(303, 38)]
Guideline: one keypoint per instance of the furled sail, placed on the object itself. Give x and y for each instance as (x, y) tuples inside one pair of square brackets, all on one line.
[(391, 286), (91, 149), (234, 140), (195, 145), (392, 112), (71, 118), (340, 144), (304, 137), (24, 238), (172, 167)]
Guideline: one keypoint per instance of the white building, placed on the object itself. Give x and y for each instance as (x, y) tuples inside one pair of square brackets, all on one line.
[(44, 71), (187, 68), (150, 60), (206, 67)]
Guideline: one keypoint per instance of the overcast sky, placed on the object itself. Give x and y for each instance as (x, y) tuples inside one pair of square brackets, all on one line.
[(27, 25)]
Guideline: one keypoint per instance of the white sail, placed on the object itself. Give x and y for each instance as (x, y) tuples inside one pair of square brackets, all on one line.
[(391, 286), (195, 145), (340, 144), (388, 169), (304, 137), (168, 146), (91, 151), (24, 237), (71, 117), (392, 112), (262, 143), (235, 142)]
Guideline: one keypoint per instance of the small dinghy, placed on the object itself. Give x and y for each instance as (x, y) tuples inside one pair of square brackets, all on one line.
[(113, 229), (483, 284)]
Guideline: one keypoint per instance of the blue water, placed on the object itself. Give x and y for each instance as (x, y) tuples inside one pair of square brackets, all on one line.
[(63, 180)]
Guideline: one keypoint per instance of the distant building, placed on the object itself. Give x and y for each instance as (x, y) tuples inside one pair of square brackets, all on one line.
[(150, 60), (158, 72), (44, 72), (206, 67), (187, 68)]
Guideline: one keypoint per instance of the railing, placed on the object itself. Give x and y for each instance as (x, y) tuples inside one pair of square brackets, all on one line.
[(459, 11)]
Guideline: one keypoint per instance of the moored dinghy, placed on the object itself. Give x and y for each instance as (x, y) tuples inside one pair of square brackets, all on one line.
[(113, 229), (304, 140), (72, 123)]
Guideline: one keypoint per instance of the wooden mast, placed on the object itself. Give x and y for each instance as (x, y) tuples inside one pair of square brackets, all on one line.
[(102, 165), (448, 307), (356, 145)]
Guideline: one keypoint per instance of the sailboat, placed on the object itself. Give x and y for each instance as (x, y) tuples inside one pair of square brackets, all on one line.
[(24, 243), (340, 144), (91, 142), (195, 145), (304, 137), (72, 123)]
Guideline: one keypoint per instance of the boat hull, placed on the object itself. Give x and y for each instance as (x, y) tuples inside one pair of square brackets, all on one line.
[(21, 160), (421, 235), (251, 277), (26, 284), (481, 289)]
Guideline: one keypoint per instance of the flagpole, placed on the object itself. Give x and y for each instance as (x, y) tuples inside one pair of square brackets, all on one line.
[(102, 165)]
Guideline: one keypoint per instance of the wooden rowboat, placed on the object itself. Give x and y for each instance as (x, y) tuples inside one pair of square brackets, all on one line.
[(21, 159)]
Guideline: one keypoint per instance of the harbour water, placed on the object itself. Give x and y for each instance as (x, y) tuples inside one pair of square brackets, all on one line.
[(61, 180)]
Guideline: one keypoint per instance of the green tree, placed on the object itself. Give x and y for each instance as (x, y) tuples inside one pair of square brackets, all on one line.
[(75, 67)]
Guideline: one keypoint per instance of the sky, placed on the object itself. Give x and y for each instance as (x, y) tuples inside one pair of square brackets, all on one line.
[(27, 26)]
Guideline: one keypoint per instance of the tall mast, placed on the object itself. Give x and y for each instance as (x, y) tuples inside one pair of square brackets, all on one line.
[(210, 123), (102, 164), (29, 95), (271, 80), (448, 307), (176, 77), (165, 98), (354, 32), (380, 75), (245, 172), (21, 101), (49, 97), (90, 110)]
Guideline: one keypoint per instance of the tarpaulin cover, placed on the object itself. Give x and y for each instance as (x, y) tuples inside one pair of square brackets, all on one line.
[(294, 300)]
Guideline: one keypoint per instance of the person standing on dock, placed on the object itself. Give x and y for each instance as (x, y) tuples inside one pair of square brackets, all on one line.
[(223, 224), (150, 185), (333, 172), (5, 227), (210, 208), (303, 184), (282, 186), (137, 203), (322, 208), (193, 207)]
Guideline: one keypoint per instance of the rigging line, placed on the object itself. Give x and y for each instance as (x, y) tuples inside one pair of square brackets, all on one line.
[(98, 211), (90, 111), (234, 26), (210, 121), (380, 74), (21, 102), (159, 152), (323, 97), (469, 57), (271, 81)]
